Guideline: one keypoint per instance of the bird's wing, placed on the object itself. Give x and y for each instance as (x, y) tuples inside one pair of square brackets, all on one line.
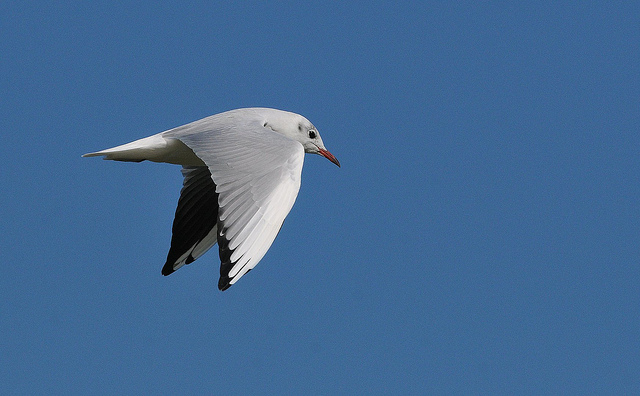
[(257, 173), (194, 226)]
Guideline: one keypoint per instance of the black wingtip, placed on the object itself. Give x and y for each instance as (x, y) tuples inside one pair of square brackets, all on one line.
[(225, 259), (223, 283), (167, 269)]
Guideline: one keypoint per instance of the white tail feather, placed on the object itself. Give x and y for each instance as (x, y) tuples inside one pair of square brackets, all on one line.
[(154, 148)]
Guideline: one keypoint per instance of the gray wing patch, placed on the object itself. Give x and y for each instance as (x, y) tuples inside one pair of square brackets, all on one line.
[(194, 226)]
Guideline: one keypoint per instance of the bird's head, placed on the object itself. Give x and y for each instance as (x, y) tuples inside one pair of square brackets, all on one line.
[(297, 127)]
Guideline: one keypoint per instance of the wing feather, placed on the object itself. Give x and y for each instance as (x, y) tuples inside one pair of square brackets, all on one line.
[(195, 222), (257, 175)]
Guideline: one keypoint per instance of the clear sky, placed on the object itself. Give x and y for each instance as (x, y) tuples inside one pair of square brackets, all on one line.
[(482, 235)]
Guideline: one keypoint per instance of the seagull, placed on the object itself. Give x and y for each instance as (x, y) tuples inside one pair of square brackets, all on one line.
[(242, 171)]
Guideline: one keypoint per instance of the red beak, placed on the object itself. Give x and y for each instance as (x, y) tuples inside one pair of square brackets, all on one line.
[(329, 156)]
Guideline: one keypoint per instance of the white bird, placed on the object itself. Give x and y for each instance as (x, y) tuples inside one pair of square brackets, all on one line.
[(242, 172)]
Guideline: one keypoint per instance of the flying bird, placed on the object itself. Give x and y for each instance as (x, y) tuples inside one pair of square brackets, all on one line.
[(242, 171)]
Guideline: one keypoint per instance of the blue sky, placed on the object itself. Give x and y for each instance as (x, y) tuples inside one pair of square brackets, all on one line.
[(482, 235)]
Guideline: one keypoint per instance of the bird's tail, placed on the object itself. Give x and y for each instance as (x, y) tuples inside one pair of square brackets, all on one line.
[(136, 151), (153, 148)]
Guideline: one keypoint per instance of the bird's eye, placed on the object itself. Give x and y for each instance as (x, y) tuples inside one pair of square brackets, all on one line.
[(312, 134)]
